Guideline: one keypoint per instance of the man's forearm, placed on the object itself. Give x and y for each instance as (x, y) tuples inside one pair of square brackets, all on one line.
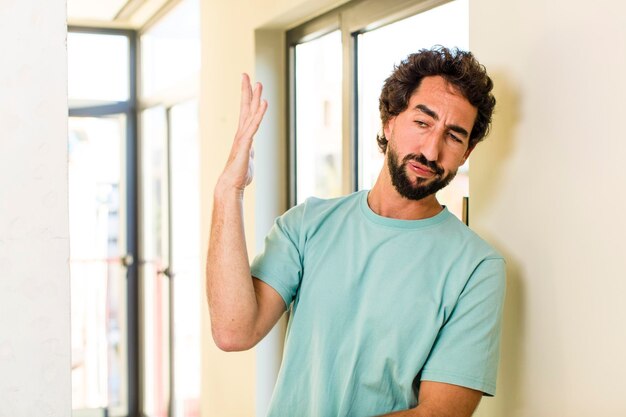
[(230, 292)]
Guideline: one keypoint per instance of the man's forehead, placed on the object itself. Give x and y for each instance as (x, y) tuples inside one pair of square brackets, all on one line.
[(436, 97), (436, 84)]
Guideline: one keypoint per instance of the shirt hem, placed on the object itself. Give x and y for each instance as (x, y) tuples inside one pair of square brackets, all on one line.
[(274, 283), (487, 388)]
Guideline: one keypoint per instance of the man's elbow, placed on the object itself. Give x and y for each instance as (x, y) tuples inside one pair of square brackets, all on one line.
[(230, 341)]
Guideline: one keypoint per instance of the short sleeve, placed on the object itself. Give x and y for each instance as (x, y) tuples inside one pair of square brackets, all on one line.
[(280, 263), (466, 350)]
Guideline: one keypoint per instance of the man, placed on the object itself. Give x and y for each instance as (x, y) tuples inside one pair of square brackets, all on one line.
[(395, 304)]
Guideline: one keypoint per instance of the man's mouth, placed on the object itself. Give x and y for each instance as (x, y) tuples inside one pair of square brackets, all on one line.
[(421, 170), (422, 166)]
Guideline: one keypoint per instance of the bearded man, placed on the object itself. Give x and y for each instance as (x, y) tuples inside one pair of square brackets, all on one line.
[(395, 305)]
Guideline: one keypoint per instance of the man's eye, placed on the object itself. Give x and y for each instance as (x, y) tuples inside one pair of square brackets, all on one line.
[(421, 123), (455, 138)]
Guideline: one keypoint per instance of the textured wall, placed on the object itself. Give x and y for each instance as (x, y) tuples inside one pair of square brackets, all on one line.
[(34, 242)]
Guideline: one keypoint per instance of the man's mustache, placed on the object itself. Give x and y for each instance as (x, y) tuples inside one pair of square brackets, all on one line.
[(436, 168)]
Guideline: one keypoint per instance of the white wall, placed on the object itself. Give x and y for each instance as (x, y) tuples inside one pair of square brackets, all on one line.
[(547, 187), (34, 245)]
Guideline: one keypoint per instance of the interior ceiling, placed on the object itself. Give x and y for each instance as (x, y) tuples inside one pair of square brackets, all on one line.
[(100, 10), (114, 13)]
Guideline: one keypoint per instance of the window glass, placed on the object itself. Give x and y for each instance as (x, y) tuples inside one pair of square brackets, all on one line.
[(378, 51), (98, 69), (171, 260), (97, 274), (170, 64), (185, 263), (170, 50), (155, 260), (318, 117)]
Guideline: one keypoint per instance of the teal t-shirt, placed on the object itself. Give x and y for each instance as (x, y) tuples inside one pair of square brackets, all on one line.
[(378, 305)]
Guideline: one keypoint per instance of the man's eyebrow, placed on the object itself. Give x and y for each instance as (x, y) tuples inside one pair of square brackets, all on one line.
[(430, 112), (425, 109)]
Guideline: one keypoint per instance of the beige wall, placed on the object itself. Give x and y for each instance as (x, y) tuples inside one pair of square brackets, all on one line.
[(546, 189), (34, 231)]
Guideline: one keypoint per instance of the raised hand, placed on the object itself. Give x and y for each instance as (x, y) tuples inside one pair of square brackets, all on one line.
[(242, 310), (239, 169)]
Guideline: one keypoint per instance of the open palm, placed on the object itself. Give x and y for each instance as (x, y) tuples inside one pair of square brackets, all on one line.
[(239, 169)]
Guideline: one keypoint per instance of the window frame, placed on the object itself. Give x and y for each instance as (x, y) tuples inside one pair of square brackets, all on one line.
[(129, 109), (352, 19)]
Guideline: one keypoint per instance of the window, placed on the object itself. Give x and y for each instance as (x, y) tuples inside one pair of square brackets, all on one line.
[(185, 240), (373, 37), (170, 253), (98, 68), (170, 53), (318, 117), (154, 271), (134, 218), (170, 259), (103, 244)]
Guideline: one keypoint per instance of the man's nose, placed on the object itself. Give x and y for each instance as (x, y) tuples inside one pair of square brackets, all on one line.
[(431, 145)]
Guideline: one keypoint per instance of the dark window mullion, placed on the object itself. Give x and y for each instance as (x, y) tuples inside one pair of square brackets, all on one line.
[(103, 110), (353, 60), (292, 143), (132, 164)]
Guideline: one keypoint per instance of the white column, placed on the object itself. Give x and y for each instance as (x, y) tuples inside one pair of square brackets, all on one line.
[(34, 232)]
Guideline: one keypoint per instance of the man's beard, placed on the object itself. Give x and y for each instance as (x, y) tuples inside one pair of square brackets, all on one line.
[(422, 187)]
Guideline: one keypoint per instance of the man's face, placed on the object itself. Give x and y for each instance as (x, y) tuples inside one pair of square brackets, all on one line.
[(429, 141)]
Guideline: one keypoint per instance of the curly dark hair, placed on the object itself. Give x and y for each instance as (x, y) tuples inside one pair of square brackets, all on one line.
[(459, 68)]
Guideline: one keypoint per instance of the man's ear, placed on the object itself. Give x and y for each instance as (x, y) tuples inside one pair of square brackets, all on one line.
[(388, 127)]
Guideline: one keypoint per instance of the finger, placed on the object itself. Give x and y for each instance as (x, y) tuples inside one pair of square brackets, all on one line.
[(256, 98), (244, 141), (255, 104), (255, 122), (246, 94), (242, 152)]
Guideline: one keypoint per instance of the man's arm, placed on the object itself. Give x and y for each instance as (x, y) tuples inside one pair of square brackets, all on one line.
[(243, 310), (437, 399)]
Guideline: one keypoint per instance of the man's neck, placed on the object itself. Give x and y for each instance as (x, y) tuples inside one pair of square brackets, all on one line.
[(384, 200)]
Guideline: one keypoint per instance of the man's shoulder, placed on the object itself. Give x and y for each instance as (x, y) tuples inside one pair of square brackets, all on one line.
[(311, 215), (470, 240), (314, 211), (314, 207)]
